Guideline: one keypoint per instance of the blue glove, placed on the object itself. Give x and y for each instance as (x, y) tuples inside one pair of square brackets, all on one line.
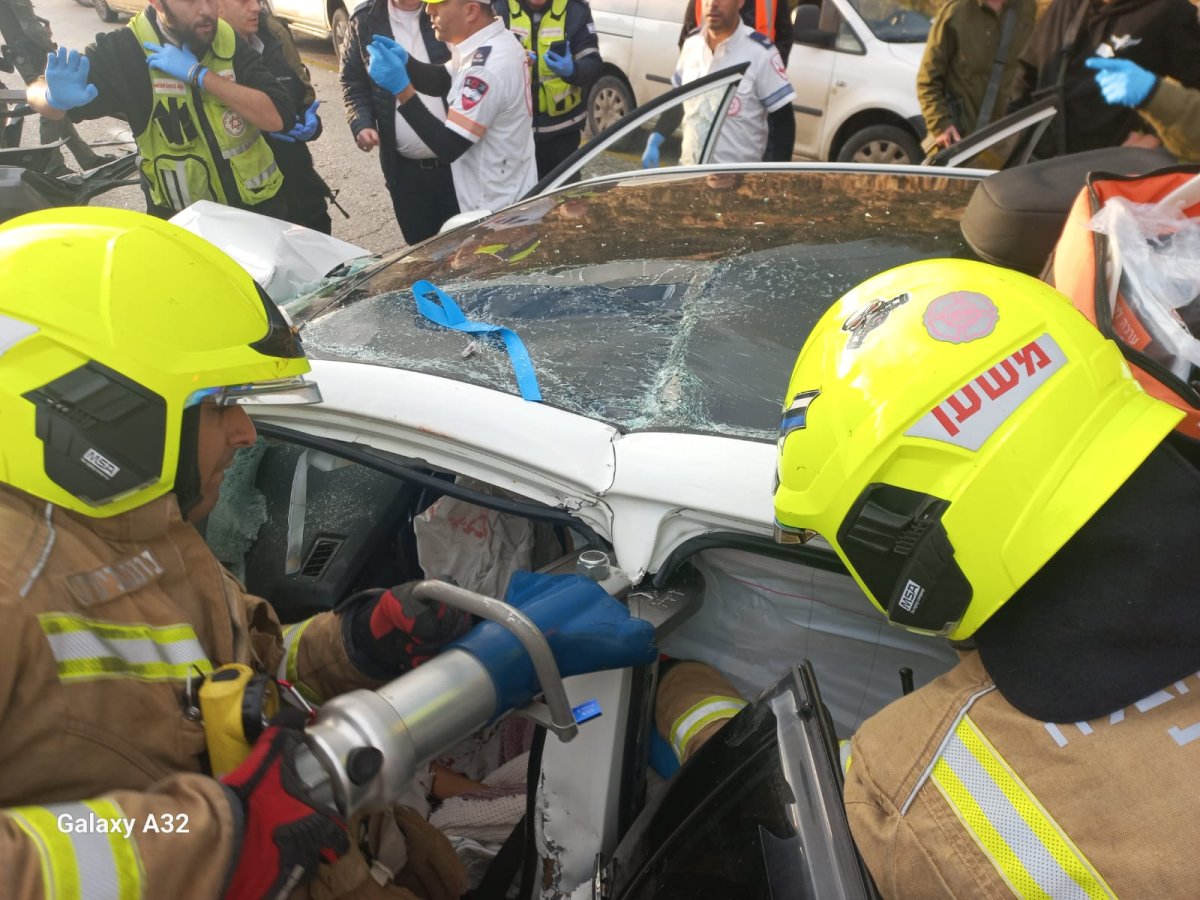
[(388, 44), (587, 629), (562, 66), (1123, 83), (305, 128), (650, 157), (178, 62), (386, 67), (67, 79)]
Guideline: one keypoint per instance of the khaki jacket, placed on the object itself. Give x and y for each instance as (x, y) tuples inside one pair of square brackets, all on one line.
[(1122, 788), (962, 45), (1174, 111), (77, 721)]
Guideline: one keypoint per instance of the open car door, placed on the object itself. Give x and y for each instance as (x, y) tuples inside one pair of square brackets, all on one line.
[(1006, 143), (619, 147)]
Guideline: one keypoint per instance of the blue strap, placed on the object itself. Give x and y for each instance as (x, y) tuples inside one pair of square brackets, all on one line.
[(439, 307)]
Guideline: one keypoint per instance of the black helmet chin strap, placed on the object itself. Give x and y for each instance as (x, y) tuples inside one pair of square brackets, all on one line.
[(187, 470)]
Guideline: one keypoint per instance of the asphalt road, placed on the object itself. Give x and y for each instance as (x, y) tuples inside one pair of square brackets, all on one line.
[(353, 174)]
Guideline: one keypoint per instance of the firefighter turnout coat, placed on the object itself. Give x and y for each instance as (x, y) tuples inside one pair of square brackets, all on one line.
[(104, 792)]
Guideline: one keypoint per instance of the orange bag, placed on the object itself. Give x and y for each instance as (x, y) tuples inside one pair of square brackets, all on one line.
[(1085, 270)]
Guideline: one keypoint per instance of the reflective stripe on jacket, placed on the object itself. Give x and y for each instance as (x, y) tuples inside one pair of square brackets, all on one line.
[(954, 793), (194, 147)]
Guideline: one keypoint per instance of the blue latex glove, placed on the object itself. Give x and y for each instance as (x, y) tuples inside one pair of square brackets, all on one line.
[(305, 128), (1123, 83), (562, 66), (386, 67), (67, 79), (650, 156), (388, 44), (178, 62), (587, 629)]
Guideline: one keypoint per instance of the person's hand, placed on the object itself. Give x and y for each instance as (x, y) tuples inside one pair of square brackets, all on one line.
[(405, 632), (367, 139), (284, 832), (948, 137), (386, 67), (588, 631), (67, 79), (562, 66), (650, 156), (1123, 83), (305, 128), (1142, 139), (178, 62)]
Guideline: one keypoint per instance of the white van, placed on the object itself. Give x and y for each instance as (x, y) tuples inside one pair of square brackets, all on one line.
[(854, 68)]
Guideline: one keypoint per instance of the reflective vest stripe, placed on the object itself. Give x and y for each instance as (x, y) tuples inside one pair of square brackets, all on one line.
[(262, 177), (699, 716), (85, 864), (87, 649), (1027, 847), (289, 665), (764, 17)]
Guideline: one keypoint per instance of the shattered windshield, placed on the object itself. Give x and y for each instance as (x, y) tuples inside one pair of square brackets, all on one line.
[(675, 302)]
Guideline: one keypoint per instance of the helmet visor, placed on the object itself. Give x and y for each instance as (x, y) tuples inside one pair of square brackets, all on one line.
[(285, 391)]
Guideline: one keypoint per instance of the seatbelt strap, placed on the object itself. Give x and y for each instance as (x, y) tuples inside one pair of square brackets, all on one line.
[(439, 307), (988, 106)]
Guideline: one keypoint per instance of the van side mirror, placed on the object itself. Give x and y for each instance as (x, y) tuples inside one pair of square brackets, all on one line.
[(806, 27)]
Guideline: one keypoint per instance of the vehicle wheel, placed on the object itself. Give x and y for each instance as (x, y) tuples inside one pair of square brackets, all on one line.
[(609, 101), (104, 11), (339, 27), (881, 144)]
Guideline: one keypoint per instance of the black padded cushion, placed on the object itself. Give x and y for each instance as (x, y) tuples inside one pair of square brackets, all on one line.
[(1015, 216)]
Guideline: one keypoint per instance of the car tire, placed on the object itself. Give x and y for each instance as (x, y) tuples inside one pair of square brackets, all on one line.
[(104, 11), (339, 27), (609, 101), (877, 144)]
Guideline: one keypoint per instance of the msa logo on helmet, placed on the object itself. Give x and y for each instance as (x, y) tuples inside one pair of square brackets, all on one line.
[(100, 464), (969, 416), (869, 318), (910, 597)]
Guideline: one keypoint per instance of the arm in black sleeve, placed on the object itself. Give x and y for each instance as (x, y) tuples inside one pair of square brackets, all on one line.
[(1183, 48), (357, 88), (585, 47), (251, 71), (783, 33), (670, 120), (122, 83), (445, 144), (783, 133), (429, 78)]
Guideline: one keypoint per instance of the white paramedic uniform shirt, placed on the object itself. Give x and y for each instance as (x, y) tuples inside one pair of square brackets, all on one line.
[(490, 106), (764, 88)]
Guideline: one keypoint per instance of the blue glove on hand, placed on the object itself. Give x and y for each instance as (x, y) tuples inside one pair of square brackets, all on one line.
[(305, 128), (562, 66), (650, 157), (1123, 83), (178, 62), (588, 631), (67, 79), (387, 65)]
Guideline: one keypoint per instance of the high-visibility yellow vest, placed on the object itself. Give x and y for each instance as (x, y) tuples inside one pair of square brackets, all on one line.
[(190, 128), (555, 96)]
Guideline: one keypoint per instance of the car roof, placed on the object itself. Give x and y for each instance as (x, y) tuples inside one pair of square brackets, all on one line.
[(663, 301)]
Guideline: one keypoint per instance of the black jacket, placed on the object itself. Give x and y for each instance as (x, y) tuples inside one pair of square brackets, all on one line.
[(367, 104), (1162, 36)]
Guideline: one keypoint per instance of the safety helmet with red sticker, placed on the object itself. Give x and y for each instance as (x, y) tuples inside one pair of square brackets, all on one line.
[(950, 450)]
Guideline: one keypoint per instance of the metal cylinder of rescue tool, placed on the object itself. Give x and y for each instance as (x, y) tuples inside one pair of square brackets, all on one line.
[(409, 721)]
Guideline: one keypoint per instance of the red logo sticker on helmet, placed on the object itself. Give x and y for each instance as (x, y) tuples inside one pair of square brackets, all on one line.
[(961, 317), (869, 318), (473, 91), (971, 415)]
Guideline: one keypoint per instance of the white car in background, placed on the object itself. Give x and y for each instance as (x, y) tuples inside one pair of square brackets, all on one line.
[(853, 65)]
